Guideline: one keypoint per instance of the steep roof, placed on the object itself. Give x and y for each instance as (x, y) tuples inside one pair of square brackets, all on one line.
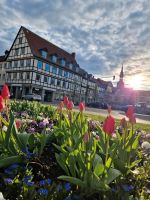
[(103, 84), (38, 43)]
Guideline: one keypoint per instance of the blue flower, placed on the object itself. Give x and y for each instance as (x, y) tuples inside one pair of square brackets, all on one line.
[(43, 192), (67, 186), (8, 171), (30, 183), (42, 182), (127, 188), (14, 166), (28, 153), (49, 181), (8, 180), (27, 181)]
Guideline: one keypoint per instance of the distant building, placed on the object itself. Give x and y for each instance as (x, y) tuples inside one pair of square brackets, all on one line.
[(104, 91), (123, 95), (34, 65)]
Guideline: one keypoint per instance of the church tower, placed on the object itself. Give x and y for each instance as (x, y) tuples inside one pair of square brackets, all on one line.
[(120, 84)]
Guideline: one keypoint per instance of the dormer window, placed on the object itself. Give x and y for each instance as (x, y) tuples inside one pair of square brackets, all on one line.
[(43, 53), (70, 65), (62, 61), (54, 58)]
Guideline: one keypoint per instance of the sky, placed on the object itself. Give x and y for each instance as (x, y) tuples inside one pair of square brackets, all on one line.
[(104, 33)]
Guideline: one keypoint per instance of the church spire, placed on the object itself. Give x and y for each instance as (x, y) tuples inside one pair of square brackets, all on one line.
[(120, 83), (121, 73)]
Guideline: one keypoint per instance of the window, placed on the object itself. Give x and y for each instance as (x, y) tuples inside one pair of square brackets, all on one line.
[(70, 65), (45, 79), (9, 76), (52, 81), (47, 67), (23, 50), (66, 74), (0, 66), (28, 62), (39, 64), (0, 76), (27, 75), (15, 63), (20, 40), (16, 52), (54, 70), (62, 62), (59, 83), (54, 58), (5, 65), (21, 63), (44, 54), (38, 77), (64, 84), (60, 72), (21, 76), (9, 64), (3, 77), (14, 76)]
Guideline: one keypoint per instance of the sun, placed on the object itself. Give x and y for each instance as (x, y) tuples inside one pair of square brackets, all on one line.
[(135, 82)]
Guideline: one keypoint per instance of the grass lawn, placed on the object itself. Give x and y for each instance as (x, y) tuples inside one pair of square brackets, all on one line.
[(145, 127)]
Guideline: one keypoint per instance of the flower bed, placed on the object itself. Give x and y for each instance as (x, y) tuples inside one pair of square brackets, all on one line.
[(48, 153)]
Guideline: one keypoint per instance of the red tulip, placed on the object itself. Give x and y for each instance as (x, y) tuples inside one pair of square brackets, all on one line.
[(70, 105), (2, 103), (109, 125), (109, 109), (18, 123), (130, 112), (5, 92), (123, 123), (66, 100), (81, 106), (86, 137)]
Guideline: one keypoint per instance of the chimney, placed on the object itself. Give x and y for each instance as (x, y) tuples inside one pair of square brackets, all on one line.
[(73, 55), (6, 53)]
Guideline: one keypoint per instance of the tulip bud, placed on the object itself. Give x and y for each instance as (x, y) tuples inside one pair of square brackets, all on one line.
[(109, 125), (66, 100), (70, 105), (86, 138), (18, 123), (5, 92), (81, 106)]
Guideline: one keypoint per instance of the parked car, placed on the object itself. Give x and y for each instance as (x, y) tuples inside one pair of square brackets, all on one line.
[(31, 97), (97, 105)]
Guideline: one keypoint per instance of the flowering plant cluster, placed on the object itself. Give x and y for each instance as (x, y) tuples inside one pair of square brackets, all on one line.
[(48, 153)]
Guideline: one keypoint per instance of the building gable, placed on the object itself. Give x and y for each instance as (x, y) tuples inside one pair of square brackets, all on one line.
[(20, 47)]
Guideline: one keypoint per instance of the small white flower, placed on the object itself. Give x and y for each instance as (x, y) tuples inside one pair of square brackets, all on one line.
[(94, 133), (146, 145), (136, 171), (1, 196), (4, 128)]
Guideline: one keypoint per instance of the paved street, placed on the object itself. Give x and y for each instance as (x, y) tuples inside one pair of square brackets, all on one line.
[(145, 119)]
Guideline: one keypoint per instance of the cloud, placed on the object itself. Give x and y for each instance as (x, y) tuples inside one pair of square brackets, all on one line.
[(103, 33)]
